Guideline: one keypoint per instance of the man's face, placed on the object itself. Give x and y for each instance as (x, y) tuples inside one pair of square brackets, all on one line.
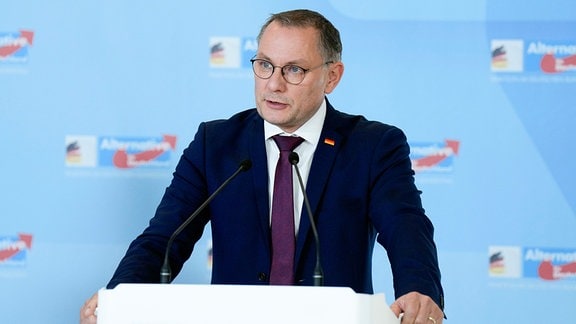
[(287, 105)]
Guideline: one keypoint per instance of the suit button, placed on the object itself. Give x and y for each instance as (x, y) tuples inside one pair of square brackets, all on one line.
[(262, 276)]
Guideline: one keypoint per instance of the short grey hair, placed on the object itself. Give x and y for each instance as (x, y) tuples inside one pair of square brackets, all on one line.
[(330, 44)]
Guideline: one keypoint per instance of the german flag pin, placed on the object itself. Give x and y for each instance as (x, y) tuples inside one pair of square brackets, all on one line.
[(329, 141)]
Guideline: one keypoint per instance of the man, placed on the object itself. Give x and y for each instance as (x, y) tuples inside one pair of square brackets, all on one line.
[(357, 173)]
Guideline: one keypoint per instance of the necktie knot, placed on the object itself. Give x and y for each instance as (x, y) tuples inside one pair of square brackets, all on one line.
[(287, 143)]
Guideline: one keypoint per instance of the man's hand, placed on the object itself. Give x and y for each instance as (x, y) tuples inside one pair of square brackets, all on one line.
[(87, 312), (417, 308)]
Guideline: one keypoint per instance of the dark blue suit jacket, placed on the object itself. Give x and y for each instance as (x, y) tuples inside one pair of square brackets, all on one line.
[(360, 187)]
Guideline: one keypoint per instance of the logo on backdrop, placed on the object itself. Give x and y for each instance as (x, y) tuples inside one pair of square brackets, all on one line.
[(231, 54), (507, 55), (554, 57), (548, 264), (434, 157), (119, 152), (225, 52), (505, 261), (14, 46), (14, 249), (534, 60)]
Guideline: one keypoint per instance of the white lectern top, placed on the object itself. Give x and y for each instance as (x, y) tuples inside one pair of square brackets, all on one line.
[(206, 304)]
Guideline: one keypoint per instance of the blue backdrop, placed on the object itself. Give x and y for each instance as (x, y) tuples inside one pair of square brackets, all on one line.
[(99, 98)]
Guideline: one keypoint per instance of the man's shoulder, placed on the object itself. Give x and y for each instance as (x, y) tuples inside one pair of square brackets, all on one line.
[(239, 118), (248, 115), (359, 124)]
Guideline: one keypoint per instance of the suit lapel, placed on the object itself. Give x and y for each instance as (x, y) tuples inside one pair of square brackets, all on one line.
[(257, 150), (320, 170)]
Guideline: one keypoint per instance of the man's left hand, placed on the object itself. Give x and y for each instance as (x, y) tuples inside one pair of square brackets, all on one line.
[(417, 308)]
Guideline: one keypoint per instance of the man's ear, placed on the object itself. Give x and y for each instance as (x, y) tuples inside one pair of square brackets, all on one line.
[(335, 72)]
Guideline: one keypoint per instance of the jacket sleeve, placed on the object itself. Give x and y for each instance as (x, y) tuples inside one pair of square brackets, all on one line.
[(404, 230)]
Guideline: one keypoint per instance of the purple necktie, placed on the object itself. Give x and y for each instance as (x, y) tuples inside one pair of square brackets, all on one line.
[(283, 233)]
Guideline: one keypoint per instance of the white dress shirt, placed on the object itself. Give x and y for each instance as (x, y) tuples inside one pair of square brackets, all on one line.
[(310, 132)]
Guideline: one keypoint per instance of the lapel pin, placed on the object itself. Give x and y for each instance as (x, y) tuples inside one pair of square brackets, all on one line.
[(329, 141)]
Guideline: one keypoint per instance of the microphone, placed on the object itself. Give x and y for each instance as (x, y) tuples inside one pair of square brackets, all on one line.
[(318, 272), (165, 271)]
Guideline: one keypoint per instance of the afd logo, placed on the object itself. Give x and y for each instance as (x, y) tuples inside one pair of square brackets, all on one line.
[(535, 56), (119, 152), (551, 57), (434, 157), (14, 46), (548, 264), (232, 52), (14, 249)]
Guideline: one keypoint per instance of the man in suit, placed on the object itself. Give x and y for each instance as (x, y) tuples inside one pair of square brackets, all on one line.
[(358, 179)]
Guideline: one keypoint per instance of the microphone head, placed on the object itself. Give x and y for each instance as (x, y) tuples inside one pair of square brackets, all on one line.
[(245, 165), (294, 158)]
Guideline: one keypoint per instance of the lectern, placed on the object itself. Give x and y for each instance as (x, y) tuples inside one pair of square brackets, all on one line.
[(206, 304)]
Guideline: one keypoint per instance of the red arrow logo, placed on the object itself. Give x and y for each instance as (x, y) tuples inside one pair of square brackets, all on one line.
[(24, 242), (551, 64), (123, 160), (24, 40), (548, 271), (442, 154)]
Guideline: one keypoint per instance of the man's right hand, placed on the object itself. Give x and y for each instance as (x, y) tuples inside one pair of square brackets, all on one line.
[(88, 310)]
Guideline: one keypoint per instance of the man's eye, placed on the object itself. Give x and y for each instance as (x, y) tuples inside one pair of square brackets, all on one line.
[(294, 69), (265, 65)]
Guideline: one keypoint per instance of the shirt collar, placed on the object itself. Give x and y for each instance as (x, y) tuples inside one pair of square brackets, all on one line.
[(310, 131)]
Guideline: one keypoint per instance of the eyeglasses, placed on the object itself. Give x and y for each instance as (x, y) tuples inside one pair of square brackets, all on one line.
[(293, 74)]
